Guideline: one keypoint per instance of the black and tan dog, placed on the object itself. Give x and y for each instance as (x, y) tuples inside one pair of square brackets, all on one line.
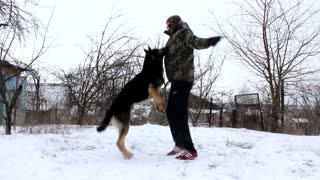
[(144, 85)]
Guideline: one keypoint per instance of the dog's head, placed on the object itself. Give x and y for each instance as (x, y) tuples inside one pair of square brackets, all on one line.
[(153, 66), (153, 58), (154, 54)]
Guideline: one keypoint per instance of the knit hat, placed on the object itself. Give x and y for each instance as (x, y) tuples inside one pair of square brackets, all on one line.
[(174, 20)]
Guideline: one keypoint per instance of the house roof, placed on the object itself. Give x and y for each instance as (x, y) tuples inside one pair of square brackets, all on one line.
[(12, 67)]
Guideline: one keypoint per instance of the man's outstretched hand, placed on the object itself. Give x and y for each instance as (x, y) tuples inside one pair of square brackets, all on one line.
[(214, 40)]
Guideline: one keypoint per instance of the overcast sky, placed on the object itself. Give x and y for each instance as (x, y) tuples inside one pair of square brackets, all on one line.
[(73, 20)]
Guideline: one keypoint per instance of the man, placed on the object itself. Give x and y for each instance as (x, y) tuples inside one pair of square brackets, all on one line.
[(180, 72)]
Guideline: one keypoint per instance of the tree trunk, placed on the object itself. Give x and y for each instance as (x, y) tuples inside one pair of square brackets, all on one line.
[(8, 123), (81, 113), (275, 118), (275, 96), (234, 119), (282, 106)]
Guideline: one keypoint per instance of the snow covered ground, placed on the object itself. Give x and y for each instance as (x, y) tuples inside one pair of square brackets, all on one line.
[(226, 154)]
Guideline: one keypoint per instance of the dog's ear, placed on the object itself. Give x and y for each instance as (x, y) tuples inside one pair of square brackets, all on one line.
[(149, 48), (146, 51)]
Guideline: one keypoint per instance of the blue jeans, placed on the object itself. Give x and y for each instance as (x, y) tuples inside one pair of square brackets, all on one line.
[(177, 113)]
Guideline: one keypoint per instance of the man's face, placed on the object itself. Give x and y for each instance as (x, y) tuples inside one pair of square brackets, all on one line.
[(168, 26)]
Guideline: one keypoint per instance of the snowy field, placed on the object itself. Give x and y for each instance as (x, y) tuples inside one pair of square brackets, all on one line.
[(226, 154)]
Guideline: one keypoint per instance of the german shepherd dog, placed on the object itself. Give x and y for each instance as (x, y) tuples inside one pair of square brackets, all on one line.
[(144, 85)]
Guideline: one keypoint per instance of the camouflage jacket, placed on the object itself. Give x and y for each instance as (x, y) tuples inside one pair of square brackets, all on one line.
[(179, 53)]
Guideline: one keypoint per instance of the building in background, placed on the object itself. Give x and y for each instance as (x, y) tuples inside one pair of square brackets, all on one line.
[(12, 77)]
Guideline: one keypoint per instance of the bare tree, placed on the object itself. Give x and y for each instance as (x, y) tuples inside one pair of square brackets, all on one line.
[(8, 101), (307, 99), (107, 66), (16, 24), (275, 39), (13, 13), (206, 73)]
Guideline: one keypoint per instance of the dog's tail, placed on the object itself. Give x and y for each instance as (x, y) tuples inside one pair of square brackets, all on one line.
[(106, 121)]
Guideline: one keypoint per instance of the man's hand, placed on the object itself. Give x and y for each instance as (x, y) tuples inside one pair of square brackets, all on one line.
[(214, 40)]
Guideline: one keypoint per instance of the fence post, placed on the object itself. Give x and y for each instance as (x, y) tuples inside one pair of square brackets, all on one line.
[(221, 118), (210, 113)]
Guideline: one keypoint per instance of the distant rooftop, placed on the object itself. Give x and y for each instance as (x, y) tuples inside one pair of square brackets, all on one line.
[(4, 63)]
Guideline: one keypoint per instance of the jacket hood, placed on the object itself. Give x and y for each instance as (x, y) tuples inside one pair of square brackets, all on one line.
[(175, 28)]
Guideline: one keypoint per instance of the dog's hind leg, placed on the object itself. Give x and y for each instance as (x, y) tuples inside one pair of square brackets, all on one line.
[(123, 131), (120, 143), (155, 94)]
